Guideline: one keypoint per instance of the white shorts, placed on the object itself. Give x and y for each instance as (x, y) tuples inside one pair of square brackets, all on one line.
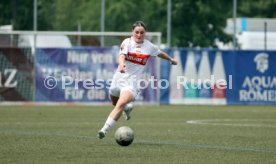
[(121, 83)]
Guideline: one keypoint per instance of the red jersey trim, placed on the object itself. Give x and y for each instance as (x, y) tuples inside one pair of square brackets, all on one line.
[(137, 58)]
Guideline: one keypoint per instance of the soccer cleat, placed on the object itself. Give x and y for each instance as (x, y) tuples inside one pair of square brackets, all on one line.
[(101, 134), (127, 110)]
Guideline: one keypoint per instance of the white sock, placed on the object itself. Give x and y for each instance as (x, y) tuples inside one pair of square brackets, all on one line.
[(108, 124)]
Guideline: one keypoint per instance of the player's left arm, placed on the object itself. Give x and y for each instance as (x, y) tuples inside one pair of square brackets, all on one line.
[(165, 56)]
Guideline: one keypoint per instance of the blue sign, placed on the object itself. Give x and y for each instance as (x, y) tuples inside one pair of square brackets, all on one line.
[(80, 75), (220, 77)]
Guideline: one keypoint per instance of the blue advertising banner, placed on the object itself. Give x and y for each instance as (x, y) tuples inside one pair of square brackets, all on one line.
[(80, 75), (255, 81), (220, 77)]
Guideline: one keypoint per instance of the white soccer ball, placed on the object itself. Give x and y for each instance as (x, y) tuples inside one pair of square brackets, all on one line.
[(124, 136)]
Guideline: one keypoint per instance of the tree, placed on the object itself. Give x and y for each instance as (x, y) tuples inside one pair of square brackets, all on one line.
[(199, 23), (18, 13), (120, 14), (257, 8), (194, 22), (67, 14), (46, 15)]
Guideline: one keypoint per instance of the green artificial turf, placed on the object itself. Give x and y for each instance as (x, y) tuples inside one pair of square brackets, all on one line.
[(163, 134)]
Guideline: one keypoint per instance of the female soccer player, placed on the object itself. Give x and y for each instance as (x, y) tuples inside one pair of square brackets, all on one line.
[(133, 56)]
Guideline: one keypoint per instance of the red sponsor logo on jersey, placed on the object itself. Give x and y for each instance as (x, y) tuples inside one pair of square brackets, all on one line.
[(137, 58)]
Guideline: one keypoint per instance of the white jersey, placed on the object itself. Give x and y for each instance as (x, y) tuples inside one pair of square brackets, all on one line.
[(137, 56)]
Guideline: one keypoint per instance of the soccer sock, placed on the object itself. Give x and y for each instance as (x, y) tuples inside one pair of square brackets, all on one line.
[(108, 124)]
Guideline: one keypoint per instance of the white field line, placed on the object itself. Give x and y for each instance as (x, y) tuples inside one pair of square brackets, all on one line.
[(235, 122)]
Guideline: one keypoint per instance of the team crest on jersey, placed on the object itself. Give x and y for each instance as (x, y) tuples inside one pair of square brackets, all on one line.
[(138, 50)]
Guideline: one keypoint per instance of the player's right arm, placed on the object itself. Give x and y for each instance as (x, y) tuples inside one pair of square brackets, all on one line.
[(121, 61), (122, 55)]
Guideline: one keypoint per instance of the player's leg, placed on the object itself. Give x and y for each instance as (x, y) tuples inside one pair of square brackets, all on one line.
[(127, 108), (114, 93), (126, 96)]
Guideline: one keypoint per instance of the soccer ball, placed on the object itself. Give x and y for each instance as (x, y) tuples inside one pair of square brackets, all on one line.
[(124, 136)]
